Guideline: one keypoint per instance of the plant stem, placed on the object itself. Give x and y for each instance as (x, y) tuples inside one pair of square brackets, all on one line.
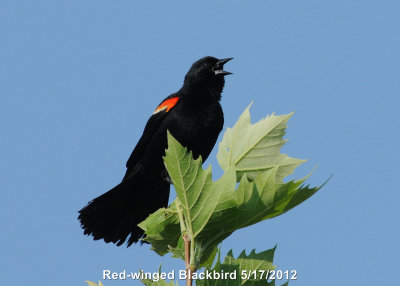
[(189, 249), (189, 279), (180, 215)]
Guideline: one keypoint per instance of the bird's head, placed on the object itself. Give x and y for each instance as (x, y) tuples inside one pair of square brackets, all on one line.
[(207, 73)]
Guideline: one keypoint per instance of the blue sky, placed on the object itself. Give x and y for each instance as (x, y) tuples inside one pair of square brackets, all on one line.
[(78, 80)]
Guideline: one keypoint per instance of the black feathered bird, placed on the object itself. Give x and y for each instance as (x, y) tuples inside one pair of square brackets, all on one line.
[(194, 116)]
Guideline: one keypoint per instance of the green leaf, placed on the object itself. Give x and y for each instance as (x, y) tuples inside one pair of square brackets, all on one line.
[(251, 203), (90, 283), (254, 148), (212, 210), (211, 257), (193, 185), (250, 269), (160, 282), (162, 229)]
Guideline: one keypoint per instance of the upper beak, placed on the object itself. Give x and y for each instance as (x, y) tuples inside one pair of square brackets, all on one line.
[(219, 67)]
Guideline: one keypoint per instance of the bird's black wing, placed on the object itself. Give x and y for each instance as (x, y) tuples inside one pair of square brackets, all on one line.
[(134, 162)]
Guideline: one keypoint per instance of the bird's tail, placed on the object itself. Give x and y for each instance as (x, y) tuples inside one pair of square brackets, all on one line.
[(114, 215)]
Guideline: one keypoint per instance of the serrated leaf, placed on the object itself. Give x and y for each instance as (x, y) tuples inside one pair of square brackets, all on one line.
[(193, 185), (251, 203), (255, 148), (213, 210), (255, 266), (162, 229)]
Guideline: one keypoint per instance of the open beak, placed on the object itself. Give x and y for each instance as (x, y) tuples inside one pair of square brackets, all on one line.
[(218, 68)]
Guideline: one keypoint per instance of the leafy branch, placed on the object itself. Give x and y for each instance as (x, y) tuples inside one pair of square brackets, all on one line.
[(213, 210), (205, 212)]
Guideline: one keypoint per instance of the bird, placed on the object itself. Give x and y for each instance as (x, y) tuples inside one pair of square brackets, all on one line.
[(194, 116)]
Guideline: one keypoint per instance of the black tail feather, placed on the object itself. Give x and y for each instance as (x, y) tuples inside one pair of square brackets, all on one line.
[(114, 216)]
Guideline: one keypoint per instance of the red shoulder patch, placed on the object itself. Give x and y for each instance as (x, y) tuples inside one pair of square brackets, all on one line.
[(166, 105)]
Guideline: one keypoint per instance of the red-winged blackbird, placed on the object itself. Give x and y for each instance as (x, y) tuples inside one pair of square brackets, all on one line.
[(194, 116)]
